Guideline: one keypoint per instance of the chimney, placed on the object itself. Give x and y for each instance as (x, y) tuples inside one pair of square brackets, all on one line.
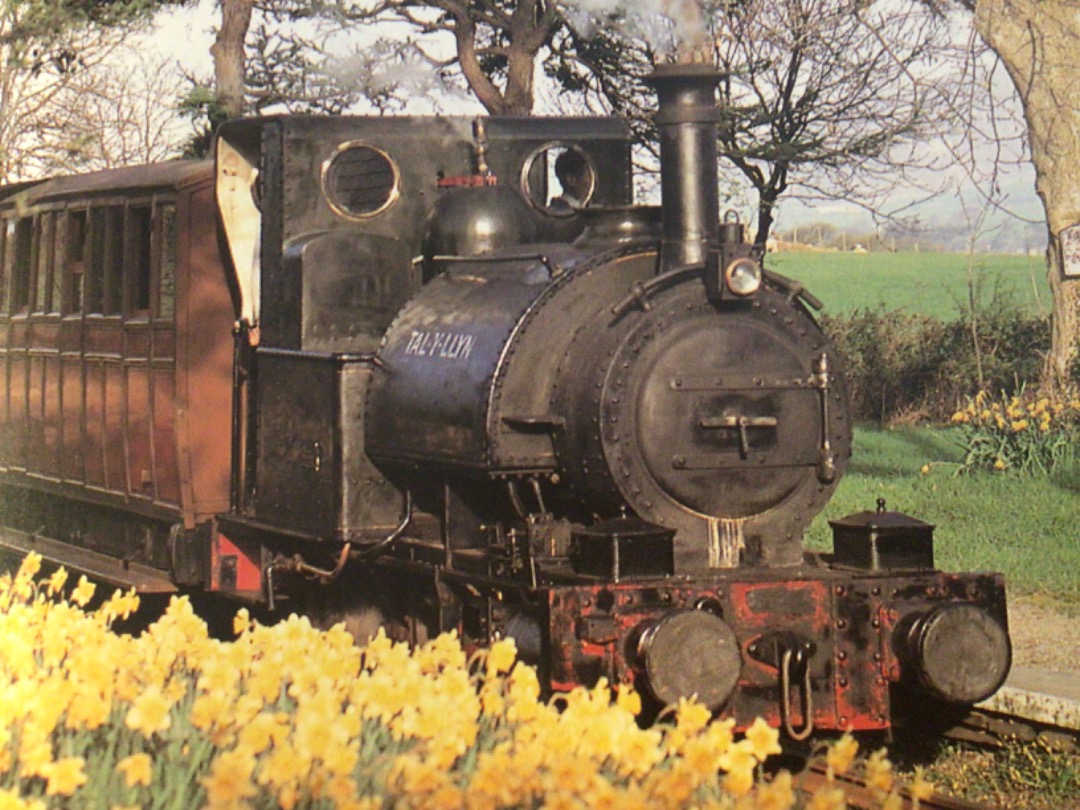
[(686, 119)]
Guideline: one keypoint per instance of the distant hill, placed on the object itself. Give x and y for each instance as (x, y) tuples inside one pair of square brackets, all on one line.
[(1012, 237)]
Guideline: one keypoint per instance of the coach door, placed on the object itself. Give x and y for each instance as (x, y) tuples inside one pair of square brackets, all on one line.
[(94, 315)]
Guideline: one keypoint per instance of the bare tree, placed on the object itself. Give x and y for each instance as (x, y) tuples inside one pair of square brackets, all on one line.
[(44, 49), (491, 45), (116, 114), (273, 53), (812, 102), (818, 97)]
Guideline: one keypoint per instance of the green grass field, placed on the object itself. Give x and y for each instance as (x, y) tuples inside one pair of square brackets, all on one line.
[(935, 284), (1024, 527)]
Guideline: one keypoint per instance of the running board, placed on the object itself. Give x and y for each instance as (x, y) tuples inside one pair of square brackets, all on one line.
[(99, 567)]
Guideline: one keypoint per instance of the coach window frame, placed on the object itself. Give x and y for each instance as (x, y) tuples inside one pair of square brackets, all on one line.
[(4, 274), (164, 249), (139, 260), (94, 278), (44, 228), (76, 258), (7, 236), (112, 298), (115, 270), (22, 265)]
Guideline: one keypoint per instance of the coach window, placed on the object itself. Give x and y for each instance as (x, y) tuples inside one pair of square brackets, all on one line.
[(5, 271), (4, 275), (112, 284), (75, 265), (56, 273), (137, 260), (166, 271), (46, 241), (42, 262), (95, 267), (22, 265)]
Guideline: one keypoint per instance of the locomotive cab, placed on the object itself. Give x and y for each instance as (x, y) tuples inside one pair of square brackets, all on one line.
[(327, 222)]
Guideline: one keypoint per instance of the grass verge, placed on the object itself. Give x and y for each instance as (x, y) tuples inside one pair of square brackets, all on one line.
[(933, 284), (1020, 775), (1024, 527)]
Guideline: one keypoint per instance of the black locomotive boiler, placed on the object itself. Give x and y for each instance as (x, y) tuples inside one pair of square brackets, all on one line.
[(454, 402)]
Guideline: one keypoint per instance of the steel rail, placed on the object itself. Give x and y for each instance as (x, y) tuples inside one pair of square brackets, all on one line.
[(859, 796)]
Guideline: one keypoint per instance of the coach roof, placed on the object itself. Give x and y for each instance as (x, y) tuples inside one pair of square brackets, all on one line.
[(110, 182)]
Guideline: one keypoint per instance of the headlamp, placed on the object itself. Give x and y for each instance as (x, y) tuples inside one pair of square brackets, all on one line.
[(743, 276)]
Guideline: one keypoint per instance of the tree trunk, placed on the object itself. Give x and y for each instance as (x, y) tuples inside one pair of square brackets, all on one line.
[(228, 53), (1038, 42)]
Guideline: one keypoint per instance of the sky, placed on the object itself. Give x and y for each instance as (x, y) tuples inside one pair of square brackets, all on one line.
[(186, 35)]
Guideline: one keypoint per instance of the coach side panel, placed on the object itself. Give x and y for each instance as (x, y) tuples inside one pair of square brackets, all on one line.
[(204, 357)]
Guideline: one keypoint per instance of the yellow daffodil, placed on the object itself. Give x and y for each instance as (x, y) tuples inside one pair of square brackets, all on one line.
[(11, 800), (841, 755), (64, 776), (777, 794), (920, 788), (827, 798), (290, 715), (628, 699), (739, 763), (149, 713), (30, 565), (83, 592), (691, 716), (57, 580), (763, 738), (137, 769), (119, 606), (230, 780), (501, 656), (35, 752), (242, 622), (879, 775)]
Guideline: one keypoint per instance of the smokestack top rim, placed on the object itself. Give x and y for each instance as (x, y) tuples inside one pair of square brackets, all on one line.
[(684, 71)]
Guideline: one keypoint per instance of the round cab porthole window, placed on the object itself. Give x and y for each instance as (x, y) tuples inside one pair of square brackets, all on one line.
[(360, 181), (559, 179)]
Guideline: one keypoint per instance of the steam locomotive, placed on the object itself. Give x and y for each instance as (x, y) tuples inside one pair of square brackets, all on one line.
[(372, 367)]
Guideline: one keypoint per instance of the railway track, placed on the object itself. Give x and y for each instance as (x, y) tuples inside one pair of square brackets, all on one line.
[(982, 727), (860, 797), (991, 728)]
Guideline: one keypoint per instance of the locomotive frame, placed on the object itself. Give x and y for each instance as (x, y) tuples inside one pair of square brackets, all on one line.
[(446, 405)]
